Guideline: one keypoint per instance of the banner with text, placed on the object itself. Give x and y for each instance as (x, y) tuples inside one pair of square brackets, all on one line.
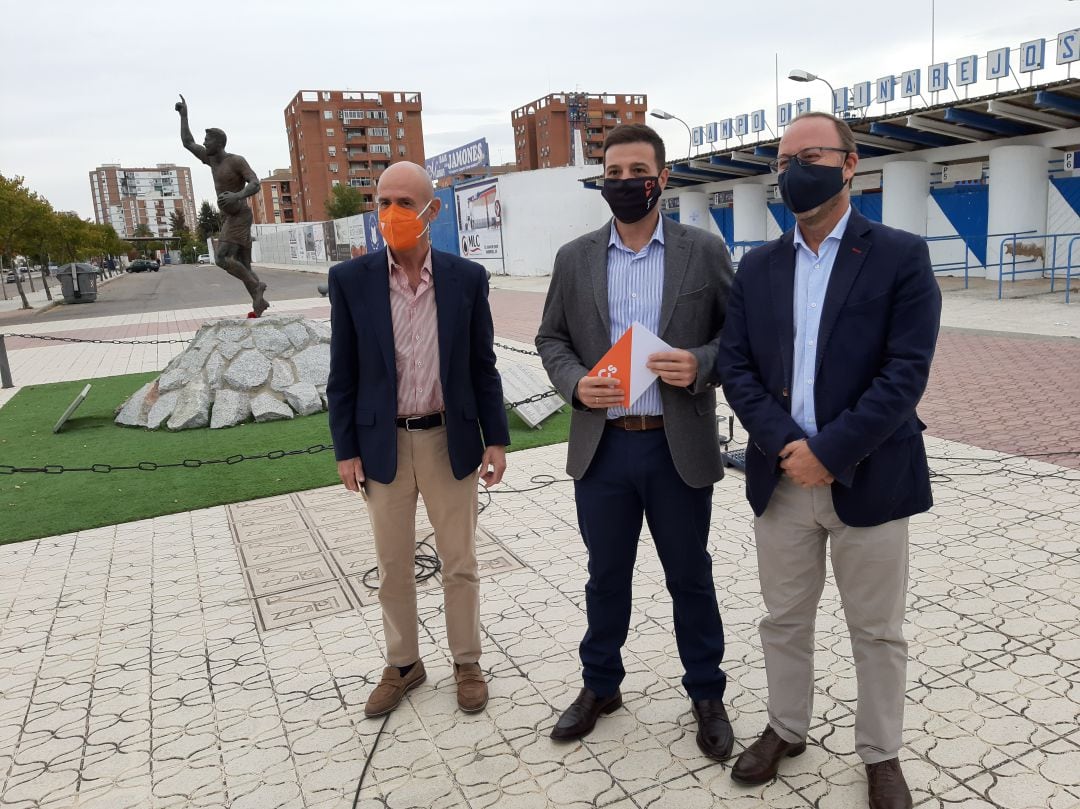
[(470, 156), (479, 214)]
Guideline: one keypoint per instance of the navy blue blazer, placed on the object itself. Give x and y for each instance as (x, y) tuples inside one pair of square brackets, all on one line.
[(362, 389), (878, 331)]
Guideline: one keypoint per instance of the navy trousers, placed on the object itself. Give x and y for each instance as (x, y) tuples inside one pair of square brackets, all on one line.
[(630, 477)]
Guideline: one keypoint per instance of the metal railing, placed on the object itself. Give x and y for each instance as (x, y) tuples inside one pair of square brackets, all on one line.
[(740, 249), (1046, 267), (951, 266), (1069, 266), (1008, 267)]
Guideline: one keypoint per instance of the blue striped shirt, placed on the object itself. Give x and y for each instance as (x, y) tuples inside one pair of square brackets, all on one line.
[(635, 290)]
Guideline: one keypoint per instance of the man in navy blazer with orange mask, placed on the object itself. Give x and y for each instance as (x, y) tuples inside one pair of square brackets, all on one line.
[(416, 407), (824, 356)]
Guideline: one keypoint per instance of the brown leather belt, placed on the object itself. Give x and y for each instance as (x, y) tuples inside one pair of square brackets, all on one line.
[(637, 423)]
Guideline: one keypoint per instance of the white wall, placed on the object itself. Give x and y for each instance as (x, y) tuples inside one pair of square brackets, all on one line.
[(952, 251), (541, 211), (1061, 218), (1018, 200)]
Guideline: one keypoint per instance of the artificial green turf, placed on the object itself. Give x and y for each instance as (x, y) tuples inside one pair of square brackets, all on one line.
[(35, 504)]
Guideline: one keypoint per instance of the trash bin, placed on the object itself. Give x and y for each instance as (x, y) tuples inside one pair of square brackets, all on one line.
[(78, 282)]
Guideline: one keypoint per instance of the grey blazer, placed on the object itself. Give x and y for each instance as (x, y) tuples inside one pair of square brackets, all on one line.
[(576, 332)]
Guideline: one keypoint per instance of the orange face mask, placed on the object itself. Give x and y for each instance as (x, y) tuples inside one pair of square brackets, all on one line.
[(401, 228)]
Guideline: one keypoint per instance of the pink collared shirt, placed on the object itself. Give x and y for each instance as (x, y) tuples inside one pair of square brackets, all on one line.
[(416, 340)]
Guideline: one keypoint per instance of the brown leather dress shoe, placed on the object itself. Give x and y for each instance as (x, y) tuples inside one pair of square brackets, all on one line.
[(757, 764), (886, 785), (391, 690), (580, 718), (472, 691)]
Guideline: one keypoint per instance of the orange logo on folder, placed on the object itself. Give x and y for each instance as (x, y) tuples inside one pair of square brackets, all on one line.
[(626, 360), (616, 364)]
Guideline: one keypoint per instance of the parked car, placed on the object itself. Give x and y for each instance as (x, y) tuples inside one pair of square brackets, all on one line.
[(9, 274), (156, 264), (204, 258), (142, 265)]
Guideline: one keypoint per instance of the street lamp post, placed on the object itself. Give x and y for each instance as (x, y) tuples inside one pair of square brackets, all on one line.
[(667, 116), (807, 76)]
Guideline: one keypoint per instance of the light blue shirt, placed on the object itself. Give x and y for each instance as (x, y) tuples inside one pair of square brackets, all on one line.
[(812, 272), (635, 291)]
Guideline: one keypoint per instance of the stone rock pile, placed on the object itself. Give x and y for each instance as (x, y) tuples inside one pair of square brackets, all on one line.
[(233, 370)]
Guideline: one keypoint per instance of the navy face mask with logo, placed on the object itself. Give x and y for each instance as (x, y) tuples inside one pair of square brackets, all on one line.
[(631, 200), (804, 188)]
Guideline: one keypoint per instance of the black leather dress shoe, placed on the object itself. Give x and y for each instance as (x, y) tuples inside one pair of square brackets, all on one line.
[(580, 718), (757, 764), (886, 785), (715, 736)]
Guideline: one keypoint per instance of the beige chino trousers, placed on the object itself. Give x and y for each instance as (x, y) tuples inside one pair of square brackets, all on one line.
[(423, 468), (871, 570)]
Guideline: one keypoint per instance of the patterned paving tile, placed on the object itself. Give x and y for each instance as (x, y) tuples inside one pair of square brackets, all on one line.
[(213, 659)]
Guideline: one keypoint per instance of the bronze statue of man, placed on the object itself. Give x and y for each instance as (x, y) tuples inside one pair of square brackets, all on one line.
[(234, 182)]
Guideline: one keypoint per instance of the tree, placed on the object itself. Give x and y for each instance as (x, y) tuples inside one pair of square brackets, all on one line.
[(209, 224), (111, 243), (185, 237), (344, 200), (18, 207), (35, 239), (178, 223), (74, 238)]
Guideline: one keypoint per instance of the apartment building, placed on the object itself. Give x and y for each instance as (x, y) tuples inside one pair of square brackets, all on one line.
[(128, 197), (544, 129), (348, 137)]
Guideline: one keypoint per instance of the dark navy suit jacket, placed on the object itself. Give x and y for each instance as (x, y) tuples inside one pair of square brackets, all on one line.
[(878, 331), (362, 388)]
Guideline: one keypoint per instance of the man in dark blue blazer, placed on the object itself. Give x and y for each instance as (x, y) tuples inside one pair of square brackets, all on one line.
[(824, 356), (416, 408)]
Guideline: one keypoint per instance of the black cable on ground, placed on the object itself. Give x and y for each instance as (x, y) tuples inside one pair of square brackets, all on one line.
[(367, 761), (427, 565), (427, 558)]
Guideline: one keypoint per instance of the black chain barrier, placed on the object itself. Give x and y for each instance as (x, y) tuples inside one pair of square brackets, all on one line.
[(57, 339), (516, 350), (150, 466), (103, 341), (195, 463)]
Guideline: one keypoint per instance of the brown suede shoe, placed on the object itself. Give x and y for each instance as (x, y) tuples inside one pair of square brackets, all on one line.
[(391, 690), (472, 691), (886, 785)]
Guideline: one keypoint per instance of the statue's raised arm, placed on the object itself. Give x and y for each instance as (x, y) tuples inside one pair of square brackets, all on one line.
[(185, 131)]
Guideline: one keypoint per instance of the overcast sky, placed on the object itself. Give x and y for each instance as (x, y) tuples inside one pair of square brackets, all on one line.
[(89, 83)]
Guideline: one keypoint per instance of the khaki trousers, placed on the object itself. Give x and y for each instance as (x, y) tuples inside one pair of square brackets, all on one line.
[(871, 570), (424, 468)]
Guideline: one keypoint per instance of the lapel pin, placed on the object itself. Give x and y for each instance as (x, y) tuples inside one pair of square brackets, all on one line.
[(856, 250)]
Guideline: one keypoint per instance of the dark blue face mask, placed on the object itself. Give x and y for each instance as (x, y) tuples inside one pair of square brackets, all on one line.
[(804, 188)]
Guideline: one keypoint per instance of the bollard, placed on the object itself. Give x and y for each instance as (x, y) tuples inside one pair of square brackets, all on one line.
[(5, 369)]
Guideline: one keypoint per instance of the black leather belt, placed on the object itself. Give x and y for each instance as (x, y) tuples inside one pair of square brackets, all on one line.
[(414, 423), (637, 423)]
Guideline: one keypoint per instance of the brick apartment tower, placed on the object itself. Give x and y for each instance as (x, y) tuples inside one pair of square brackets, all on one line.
[(348, 137), (542, 128), (274, 204), (128, 197)]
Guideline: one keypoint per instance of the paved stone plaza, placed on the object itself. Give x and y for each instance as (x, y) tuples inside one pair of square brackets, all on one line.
[(221, 658)]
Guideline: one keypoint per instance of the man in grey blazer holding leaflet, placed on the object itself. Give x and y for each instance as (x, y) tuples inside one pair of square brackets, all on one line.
[(656, 460)]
